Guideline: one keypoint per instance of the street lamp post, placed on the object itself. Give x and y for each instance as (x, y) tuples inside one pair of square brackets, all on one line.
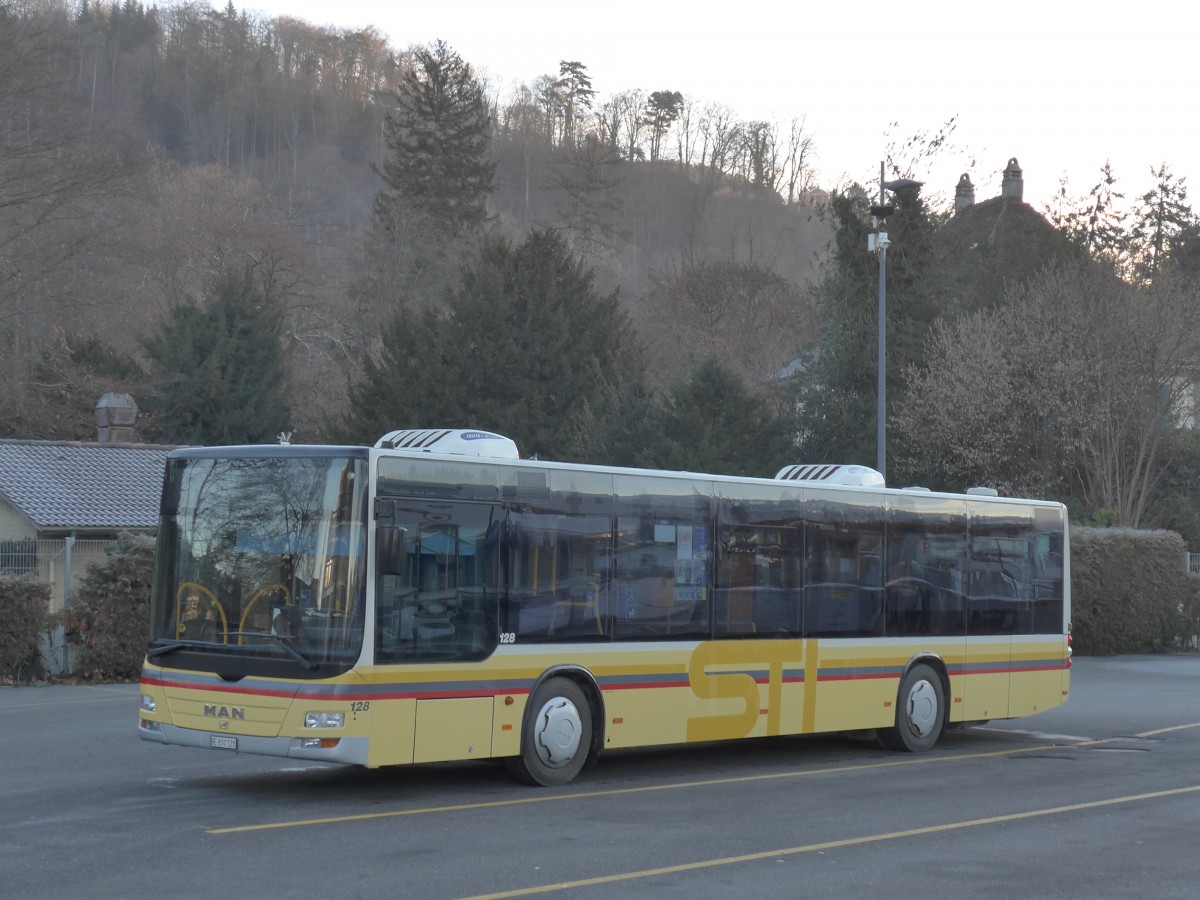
[(881, 244), (878, 243)]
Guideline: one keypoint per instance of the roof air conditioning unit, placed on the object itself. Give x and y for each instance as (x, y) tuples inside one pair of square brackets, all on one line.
[(855, 476), (454, 441)]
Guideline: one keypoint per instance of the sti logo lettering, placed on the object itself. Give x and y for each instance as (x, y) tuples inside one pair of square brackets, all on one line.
[(742, 685)]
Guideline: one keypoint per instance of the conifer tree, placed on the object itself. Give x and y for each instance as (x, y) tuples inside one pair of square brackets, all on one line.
[(1095, 222), (1162, 219), (218, 368), (837, 387), (438, 136), (712, 423), (523, 345)]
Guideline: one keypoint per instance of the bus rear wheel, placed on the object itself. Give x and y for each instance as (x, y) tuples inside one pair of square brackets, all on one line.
[(557, 735), (920, 712)]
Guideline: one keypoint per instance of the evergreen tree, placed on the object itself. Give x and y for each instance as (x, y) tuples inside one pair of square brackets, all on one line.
[(633, 436), (438, 136), (575, 94), (523, 345), (661, 110), (431, 209), (1162, 220), (219, 368), (1095, 222), (837, 390), (712, 423), (1185, 253)]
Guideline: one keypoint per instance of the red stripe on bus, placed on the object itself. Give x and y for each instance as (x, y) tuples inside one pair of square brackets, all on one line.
[(334, 697)]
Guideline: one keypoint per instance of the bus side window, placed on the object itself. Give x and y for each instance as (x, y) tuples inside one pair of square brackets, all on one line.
[(909, 594), (662, 576), (437, 576), (999, 584), (758, 581), (529, 613), (843, 584)]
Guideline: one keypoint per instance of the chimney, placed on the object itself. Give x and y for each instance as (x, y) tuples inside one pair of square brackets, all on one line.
[(964, 194), (1013, 185), (115, 416)]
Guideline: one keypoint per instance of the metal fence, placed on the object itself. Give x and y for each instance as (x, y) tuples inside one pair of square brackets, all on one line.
[(1193, 563), (61, 563)]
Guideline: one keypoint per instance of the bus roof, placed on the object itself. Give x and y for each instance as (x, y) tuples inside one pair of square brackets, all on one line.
[(467, 452)]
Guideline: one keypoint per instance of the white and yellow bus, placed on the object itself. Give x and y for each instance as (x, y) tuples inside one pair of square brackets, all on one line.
[(436, 598)]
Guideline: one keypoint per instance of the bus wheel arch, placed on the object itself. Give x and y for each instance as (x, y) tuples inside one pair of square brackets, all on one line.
[(562, 728), (921, 708)]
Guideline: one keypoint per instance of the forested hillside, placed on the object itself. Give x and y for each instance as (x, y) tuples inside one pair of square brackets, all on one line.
[(262, 227), (146, 150)]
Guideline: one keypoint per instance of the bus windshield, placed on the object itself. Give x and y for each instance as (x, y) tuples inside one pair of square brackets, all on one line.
[(261, 561)]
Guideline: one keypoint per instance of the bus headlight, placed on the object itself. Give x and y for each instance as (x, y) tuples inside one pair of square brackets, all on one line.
[(324, 720), (148, 703)]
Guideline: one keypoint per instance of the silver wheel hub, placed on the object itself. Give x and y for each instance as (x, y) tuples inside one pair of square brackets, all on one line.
[(922, 709), (557, 732)]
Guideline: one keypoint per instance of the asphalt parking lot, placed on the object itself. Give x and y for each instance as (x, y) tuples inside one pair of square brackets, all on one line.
[(1099, 798)]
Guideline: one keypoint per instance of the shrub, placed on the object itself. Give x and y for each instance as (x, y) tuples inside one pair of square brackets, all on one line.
[(109, 620), (24, 618), (1130, 591)]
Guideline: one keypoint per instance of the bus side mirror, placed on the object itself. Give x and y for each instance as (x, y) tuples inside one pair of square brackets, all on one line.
[(389, 550)]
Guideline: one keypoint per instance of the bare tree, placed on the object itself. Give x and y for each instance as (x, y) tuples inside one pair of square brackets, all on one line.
[(57, 174), (687, 132), (720, 135), (628, 110), (1070, 388), (591, 176), (797, 166), (743, 315)]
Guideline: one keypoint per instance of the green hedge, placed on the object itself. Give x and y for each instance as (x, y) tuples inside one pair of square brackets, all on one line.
[(1131, 592), (108, 622), (24, 619)]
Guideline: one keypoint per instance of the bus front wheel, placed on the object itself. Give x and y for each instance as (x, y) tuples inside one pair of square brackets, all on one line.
[(557, 735), (920, 712)]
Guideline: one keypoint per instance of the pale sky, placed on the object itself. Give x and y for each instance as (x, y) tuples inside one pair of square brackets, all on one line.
[(1062, 85)]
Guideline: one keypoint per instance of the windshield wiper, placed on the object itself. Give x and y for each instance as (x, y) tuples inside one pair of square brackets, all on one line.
[(209, 645), (181, 645), (282, 642)]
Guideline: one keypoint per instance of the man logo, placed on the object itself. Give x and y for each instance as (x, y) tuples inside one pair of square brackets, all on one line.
[(224, 712)]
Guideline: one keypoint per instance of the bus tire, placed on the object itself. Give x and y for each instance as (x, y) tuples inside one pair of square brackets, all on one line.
[(920, 712), (557, 735)]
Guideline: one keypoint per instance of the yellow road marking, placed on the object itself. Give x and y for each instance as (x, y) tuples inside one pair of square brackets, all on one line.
[(831, 845), (1165, 730), (616, 792)]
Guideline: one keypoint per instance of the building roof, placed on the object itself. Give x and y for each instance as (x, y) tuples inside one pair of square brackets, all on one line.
[(997, 243), (70, 484)]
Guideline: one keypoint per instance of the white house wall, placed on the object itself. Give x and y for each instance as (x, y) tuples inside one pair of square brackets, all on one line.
[(13, 525)]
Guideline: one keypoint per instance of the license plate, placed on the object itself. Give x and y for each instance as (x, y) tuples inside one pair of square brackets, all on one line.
[(221, 742)]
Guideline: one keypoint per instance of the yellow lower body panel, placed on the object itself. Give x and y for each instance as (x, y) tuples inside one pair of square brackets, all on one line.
[(460, 728)]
